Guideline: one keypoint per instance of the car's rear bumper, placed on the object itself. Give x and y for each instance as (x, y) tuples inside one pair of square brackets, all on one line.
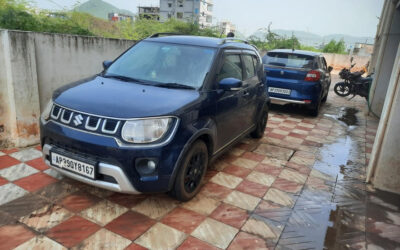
[(284, 101)]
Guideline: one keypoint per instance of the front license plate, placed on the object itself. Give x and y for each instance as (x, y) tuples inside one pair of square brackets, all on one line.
[(73, 165), (279, 91)]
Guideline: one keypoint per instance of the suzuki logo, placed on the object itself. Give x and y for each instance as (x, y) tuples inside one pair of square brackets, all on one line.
[(78, 120)]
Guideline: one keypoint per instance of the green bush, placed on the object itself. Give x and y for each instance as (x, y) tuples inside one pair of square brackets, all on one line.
[(335, 47), (17, 15)]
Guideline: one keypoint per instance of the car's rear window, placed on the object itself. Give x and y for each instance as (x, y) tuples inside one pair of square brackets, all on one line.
[(289, 60)]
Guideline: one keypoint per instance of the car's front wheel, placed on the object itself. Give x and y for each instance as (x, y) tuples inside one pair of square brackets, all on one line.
[(191, 172)]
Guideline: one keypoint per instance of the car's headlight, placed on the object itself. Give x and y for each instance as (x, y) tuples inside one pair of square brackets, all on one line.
[(47, 110), (145, 130)]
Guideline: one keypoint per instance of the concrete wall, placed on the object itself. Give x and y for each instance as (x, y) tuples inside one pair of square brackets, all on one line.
[(388, 37), (339, 61), (35, 64), (384, 168)]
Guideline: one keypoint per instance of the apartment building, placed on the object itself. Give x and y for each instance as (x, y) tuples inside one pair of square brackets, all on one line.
[(225, 27), (151, 13), (195, 11)]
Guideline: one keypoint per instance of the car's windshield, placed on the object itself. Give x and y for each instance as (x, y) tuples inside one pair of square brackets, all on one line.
[(164, 63), (289, 60)]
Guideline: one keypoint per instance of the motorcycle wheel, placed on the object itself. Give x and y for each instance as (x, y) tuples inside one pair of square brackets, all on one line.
[(342, 89)]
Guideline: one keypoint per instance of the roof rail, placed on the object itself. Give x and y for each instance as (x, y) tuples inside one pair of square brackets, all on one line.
[(164, 34), (232, 39)]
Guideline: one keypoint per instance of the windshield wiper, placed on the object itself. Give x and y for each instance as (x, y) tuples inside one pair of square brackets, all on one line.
[(123, 78), (173, 85)]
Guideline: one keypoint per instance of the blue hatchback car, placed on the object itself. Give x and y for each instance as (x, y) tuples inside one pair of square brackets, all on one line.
[(297, 77), (157, 115)]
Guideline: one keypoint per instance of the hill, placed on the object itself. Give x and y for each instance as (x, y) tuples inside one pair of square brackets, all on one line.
[(100, 9), (311, 39)]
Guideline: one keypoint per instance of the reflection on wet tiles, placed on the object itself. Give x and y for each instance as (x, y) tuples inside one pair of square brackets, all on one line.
[(45, 218), (104, 239), (215, 233), (274, 151), (41, 243), (10, 192)]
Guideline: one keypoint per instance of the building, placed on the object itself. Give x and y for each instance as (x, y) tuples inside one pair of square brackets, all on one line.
[(151, 13), (226, 27), (117, 17), (193, 11), (363, 49), (384, 101)]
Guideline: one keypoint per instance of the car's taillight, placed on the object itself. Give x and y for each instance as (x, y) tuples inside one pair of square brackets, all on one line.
[(313, 76)]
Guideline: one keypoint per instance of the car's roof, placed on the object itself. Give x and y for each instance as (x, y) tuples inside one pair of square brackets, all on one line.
[(296, 51), (201, 41)]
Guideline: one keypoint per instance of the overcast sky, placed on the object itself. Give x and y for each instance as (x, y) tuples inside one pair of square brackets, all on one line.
[(323, 17)]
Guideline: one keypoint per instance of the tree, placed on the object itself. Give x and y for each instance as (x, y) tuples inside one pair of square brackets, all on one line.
[(271, 41), (335, 47)]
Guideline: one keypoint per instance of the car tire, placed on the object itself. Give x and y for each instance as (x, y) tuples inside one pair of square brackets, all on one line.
[(315, 110), (191, 172), (260, 126), (325, 98)]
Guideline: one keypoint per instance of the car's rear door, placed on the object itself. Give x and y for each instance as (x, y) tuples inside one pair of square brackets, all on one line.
[(251, 85), (230, 119)]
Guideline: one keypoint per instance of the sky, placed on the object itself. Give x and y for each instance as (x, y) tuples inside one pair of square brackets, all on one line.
[(322, 17)]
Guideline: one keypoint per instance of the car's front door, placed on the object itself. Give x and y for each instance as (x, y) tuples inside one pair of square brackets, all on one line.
[(229, 117)]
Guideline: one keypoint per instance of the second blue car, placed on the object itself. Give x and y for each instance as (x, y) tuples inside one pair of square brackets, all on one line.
[(297, 77)]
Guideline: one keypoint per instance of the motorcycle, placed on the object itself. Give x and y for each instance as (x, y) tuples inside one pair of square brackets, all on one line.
[(353, 83)]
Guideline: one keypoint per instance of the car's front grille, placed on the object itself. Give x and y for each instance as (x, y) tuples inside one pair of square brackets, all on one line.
[(86, 122)]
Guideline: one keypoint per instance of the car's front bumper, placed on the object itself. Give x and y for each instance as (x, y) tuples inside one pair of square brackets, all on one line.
[(115, 164), (123, 184)]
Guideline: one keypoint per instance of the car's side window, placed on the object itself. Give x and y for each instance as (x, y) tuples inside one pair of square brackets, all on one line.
[(249, 66), (232, 68)]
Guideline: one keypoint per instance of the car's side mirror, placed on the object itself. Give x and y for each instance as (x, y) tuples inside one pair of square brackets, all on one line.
[(230, 84), (330, 68), (107, 64)]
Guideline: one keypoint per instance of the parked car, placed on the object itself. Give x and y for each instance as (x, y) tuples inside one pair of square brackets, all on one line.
[(297, 77), (157, 115)]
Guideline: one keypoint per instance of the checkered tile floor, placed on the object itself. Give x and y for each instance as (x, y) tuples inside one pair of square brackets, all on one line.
[(247, 202)]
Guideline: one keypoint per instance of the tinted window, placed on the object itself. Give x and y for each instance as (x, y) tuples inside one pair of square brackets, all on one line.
[(232, 68), (289, 60), (165, 63), (249, 66)]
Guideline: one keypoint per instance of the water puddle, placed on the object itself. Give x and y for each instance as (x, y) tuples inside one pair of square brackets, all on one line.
[(334, 158), (346, 116)]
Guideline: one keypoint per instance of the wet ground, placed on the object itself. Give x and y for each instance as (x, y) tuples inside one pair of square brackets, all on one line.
[(300, 187)]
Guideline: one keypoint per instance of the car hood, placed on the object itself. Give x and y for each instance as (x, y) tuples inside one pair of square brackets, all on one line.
[(115, 98)]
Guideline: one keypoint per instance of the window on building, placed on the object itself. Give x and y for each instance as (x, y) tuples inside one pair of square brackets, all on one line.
[(169, 5), (179, 15)]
